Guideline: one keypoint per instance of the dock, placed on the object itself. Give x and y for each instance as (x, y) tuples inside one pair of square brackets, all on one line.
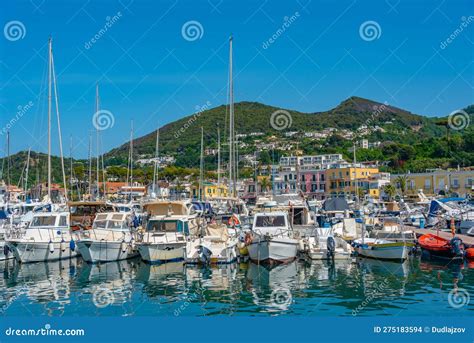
[(467, 240)]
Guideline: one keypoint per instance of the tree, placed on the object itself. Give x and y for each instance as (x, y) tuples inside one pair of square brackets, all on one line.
[(390, 191), (402, 183), (265, 184)]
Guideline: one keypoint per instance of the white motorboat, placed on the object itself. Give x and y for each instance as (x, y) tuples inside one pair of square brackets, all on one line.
[(216, 246), (271, 239), (323, 245), (382, 249), (110, 239), (167, 226), (47, 238)]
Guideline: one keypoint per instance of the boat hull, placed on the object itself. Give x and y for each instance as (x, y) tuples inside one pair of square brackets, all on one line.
[(390, 251), (104, 251), (219, 252), (162, 252), (27, 252), (271, 250)]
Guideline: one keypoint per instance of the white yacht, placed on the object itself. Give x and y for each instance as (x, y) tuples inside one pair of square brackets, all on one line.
[(47, 238), (272, 239), (215, 246), (110, 239), (166, 225)]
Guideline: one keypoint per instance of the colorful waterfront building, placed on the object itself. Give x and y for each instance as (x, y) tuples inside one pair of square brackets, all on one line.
[(305, 174), (350, 179), (210, 190), (437, 182)]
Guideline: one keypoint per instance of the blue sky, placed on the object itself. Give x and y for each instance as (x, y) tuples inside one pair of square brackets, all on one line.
[(147, 71)]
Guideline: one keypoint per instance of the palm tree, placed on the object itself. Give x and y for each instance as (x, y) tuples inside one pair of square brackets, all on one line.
[(265, 184), (390, 191), (402, 181)]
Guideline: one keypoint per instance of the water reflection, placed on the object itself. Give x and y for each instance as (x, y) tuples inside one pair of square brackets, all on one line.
[(341, 288)]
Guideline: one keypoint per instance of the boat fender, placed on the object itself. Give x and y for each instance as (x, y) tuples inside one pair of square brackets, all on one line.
[(51, 247), (123, 246), (63, 245), (72, 245), (331, 246), (6, 250)]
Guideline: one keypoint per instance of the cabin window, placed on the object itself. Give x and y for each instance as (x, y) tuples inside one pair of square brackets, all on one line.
[(62, 221), (43, 221), (100, 224), (270, 221)]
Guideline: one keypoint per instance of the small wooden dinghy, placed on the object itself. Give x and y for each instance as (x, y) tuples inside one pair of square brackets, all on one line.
[(440, 247)]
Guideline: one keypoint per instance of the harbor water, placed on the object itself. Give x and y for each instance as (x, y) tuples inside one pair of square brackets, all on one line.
[(357, 287)]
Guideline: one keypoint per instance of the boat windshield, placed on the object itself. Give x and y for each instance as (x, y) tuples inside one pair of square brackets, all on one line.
[(270, 221), (167, 226), (109, 224), (100, 224), (43, 221)]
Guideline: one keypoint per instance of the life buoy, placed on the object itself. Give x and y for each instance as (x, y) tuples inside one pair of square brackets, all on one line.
[(233, 221)]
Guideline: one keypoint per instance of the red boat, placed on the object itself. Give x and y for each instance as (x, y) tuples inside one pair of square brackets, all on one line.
[(470, 254), (440, 247)]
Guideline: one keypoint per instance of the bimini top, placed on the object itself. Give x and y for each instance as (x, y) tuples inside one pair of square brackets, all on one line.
[(335, 205), (167, 208)]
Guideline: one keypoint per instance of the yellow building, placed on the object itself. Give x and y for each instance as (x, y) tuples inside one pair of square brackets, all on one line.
[(435, 182), (211, 190), (342, 180)]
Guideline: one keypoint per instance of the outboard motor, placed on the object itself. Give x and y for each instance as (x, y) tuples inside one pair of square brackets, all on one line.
[(331, 246), (204, 255), (457, 248)]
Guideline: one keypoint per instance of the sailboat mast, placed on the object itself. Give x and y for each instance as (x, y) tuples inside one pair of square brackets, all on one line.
[(50, 52), (156, 159), (90, 164), (201, 169), (231, 124), (97, 138), (8, 159), (218, 156), (27, 171), (355, 178), (70, 167)]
